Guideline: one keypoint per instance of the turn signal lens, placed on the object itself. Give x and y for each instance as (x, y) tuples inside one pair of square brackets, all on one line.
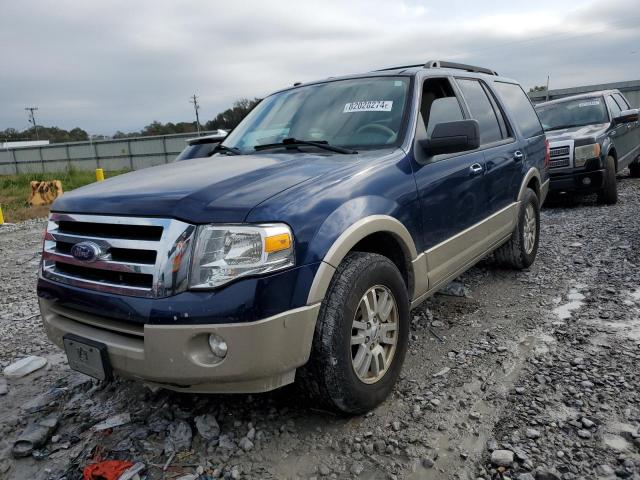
[(277, 243)]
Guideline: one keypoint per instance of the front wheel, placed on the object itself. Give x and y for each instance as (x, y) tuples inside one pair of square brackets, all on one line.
[(361, 336), (521, 249), (609, 193)]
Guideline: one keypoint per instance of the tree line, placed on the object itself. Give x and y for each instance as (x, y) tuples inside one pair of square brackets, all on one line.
[(224, 120)]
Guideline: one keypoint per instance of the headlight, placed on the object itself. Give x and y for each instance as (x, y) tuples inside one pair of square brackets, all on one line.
[(586, 152), (226, 252)]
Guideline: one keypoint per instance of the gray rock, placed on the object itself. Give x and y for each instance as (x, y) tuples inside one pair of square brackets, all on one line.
[(455, 289), (502, 458), (587, 423), (605, 470), (178, 437), (525, 476), (548, 474), (379, 446), (584, 434), (324, 470), (428, 463), (226, 443), (356, 468), (245, 444), (532, 433), (4, 388), (207, 427)]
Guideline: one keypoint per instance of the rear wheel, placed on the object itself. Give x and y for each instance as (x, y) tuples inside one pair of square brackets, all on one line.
[(634, 168), (361, 336), (521, 249), (609, 193)]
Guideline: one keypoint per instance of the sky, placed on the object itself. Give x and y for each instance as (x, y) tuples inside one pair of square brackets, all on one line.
[(119, 65)]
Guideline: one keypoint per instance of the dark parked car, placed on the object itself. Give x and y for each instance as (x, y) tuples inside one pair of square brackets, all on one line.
[(592, 137), (201, 147), (298, 249)]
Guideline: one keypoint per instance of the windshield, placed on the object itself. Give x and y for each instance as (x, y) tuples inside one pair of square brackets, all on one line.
[(358, 113), (573, 113)]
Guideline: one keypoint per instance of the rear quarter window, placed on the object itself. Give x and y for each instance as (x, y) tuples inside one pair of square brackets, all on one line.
[(520, 108)]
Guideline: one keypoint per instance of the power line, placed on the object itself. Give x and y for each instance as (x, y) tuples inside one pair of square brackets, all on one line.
[(32, 119), (196, 107)]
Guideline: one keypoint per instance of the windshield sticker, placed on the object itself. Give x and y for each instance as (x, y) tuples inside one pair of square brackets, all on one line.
[(588, 104), (369, 106)]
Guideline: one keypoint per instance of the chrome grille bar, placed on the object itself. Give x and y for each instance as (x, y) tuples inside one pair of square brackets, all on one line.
[(167, 276)]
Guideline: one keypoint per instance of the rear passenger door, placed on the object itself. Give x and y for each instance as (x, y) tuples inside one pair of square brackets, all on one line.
[(503, 155)]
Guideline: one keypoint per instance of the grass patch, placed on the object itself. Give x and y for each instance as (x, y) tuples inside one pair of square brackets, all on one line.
[(15, 190)]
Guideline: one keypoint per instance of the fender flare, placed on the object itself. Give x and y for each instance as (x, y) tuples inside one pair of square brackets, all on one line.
[(348, 239), (532, 173)]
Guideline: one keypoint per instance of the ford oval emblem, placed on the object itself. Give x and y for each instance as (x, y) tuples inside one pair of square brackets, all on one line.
[(86, 251)]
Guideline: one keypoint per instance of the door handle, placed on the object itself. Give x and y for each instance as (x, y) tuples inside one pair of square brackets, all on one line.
[(518, 155), (476, 169)]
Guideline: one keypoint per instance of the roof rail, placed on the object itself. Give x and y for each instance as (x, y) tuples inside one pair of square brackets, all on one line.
[(459, 66), (398, 68)]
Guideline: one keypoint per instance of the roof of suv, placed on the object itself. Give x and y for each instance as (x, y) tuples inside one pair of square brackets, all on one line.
[(437, 67), (597, 93)]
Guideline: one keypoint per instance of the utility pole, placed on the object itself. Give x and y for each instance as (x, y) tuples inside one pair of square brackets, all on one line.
[(32, 119), (196, 107), (547, 88)]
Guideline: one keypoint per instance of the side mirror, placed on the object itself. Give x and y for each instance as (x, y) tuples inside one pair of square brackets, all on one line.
[(452, 137), (627, 116)]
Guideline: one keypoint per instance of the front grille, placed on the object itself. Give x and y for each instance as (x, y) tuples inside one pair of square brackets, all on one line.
[(563, 162), (560, 156), (559, 152), (143, 257)]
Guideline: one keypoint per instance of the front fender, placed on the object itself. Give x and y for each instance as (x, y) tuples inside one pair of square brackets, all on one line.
[(348, 225)]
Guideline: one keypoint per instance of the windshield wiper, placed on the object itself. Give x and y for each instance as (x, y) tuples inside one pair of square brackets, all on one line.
[(293, 142), (224, 148)]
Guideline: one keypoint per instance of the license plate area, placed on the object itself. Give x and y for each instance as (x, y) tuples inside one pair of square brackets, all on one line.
[(87, 356)]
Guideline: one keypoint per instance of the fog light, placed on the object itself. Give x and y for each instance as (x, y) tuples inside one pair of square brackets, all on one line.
[(218, 346), (586, 181)]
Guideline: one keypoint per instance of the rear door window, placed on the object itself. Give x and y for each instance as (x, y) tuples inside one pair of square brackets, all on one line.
[(481, 109), (622, 102), (614, 108), (519, 106)]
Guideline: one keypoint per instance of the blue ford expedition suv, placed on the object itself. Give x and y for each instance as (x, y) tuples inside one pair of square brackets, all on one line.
[(296, 250)]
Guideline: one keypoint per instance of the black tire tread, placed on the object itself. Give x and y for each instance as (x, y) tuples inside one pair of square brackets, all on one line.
[(511, 254), (609, 193), (317, 378)]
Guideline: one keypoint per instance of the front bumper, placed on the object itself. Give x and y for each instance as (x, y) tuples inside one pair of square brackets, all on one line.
[(575, 181), (262, 355)]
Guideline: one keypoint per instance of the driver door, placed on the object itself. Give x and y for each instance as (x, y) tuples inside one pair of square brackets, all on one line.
[(450, 187)]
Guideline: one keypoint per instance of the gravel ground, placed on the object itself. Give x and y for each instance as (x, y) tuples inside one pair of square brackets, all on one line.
[(522, 375)]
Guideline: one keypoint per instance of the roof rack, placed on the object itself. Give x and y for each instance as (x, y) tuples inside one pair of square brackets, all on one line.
[(398, 68), (441, 64), (459, 66)]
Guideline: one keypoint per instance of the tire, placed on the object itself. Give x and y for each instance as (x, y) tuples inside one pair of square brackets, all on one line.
[(521, 249), (609, 193), (330, 375), (634, 169)]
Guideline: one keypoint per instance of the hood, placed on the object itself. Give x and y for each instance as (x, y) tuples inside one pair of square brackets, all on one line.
[(213, 189), (576, 133)]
